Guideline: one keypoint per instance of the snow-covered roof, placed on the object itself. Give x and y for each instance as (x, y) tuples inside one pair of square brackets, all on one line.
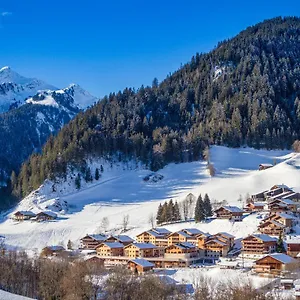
[(232, 208), (98, 237), (154, 233), (285, 216), (288, 201), (183, 233), (226, 234), (142, 262), (282, 186), (26, 213), (292, 239), (285, 259), (290, 195), (143, 245), (124, 238), (265, 237), (187, 245), (49, 213), (113, 245), (257, 203), (55, 248), (162, 231), (192, 231), (216, 241), (266, 165), (278, 224)]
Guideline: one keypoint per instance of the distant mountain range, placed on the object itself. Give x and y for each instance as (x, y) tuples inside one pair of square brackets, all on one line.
[(30, 111)]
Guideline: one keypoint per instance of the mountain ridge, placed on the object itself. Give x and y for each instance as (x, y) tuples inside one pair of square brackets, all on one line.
[(244, 92)]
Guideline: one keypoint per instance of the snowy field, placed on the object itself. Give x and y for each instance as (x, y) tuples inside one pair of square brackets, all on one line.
[(8, 296), (124, 192)]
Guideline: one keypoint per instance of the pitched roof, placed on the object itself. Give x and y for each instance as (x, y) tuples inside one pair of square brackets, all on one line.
[(285, 259), (192, 231), (97, 237), (266, 165), (187, 245), (49, 213), (142, 262), (285, 216), (26, 213), (55, 248), (112, 245), (123, 238), (183, 233), (162, 231), (232, 208), (264, 237), (228, 235), (216, 241), (257, 203), (288, 201), (143, 245)]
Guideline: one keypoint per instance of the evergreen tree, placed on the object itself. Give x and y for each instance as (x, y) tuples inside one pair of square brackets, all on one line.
[(199, 210), (69, 245), (164, 215), (176, 212), (280, 245), (159, 214), (207, 207), (97, 174), (101, 169), (170, 211), (88, 175), (78, 181)]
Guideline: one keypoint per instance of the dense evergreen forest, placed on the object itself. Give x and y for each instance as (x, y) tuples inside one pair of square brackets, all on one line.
[(244, 92)]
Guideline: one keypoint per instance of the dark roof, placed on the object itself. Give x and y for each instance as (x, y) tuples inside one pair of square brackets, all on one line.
[(142, 262)]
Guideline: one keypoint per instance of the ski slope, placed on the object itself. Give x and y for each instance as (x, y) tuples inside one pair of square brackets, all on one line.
[(122, 192)]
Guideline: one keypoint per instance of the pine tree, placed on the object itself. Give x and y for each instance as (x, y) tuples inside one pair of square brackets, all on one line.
[(164, 214), (78, 181), (97, 174), (199, 210), (101, 169), (280, 245), (69, 245), (88, 175), (159, 214), (170, 211), (207, 207), (176, 212)]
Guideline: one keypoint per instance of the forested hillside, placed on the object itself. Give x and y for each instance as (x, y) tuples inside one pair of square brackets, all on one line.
[(245, 91)]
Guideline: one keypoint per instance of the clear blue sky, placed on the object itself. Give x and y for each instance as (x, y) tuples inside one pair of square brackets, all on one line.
[(107, 45)]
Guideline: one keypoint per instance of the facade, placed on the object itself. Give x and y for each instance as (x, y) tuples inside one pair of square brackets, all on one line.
[(23, 215), (216, 248), (91, 241), (140, 265), (292, 246), (135, 250), (110, 249), (156, 236), (229, 212), (272, 227), (274, 264), (52, 251), (255, 206), (45, 216), (178, 237), (258, 244)]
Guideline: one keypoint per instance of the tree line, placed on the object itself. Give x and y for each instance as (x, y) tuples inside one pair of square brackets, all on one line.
[(253, 101), (170, 212)]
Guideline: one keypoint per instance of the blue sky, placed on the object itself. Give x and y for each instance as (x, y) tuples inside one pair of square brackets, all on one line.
[(107, 45)]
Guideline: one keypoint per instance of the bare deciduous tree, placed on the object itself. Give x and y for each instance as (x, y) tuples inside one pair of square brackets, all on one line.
[(125, 222), (152, 220)]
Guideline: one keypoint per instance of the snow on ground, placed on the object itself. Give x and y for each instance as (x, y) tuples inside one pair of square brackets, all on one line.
[(121, 191), (8, 296), (194, 276)]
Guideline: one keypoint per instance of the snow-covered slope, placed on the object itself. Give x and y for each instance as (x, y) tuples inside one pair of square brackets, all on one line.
[(9, 296), (122, 191)]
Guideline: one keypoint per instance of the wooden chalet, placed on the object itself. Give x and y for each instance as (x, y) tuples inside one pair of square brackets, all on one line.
[(45, 216), (259, 196), (23, 215), (94, 260), (225, 237), (123, 239), (255, 206), (283, 218), (229, 212), (264, 166), (273, 227), (110, 249), (140, 265), (274, 264), (178, 237), (202, 239), (156, 236), (135, 250), (91, 241), (52, 251), (258, 244), (292, 246), (284, 204), (215, 248), (182, 248)]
